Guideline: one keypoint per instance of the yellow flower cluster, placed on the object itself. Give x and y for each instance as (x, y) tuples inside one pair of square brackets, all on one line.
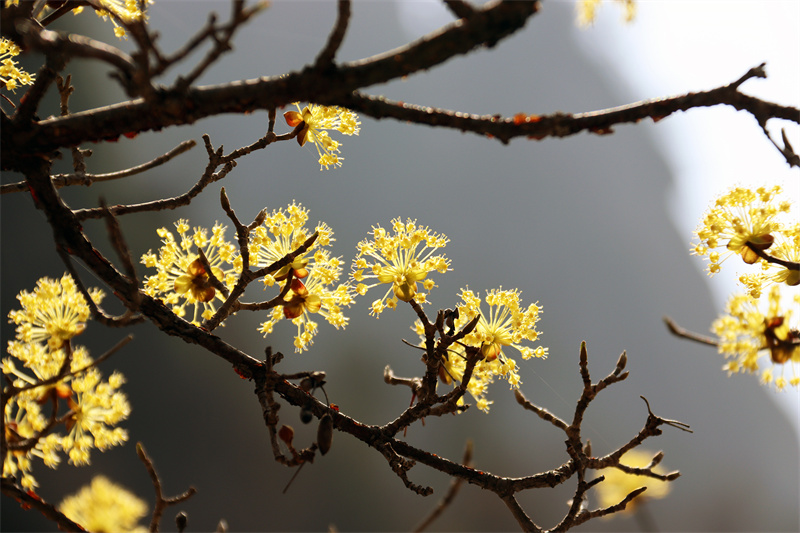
[(618, 483), (126, 11), (182, 279), (587, 10), (401, 259), (105, 506), (506, 324), (754, 225), (747, 332), (50, 317), (741, 221), (316, 119), (10, 76), (314, 287)]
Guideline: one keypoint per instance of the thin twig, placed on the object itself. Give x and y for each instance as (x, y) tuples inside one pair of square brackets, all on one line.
[(327, 54), (455, 485), (678, 331), (66, 180), (161, 502)]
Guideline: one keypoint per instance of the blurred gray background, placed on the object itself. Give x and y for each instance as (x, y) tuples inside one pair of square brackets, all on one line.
[(579, 225)]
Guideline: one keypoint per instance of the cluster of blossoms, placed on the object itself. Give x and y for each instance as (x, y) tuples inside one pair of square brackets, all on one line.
[(182, 278), (316, 119), (747, 332), (314, 287), (755, 226), (401, 260), (618, 483), (42, 351), (10, 76), (105, 506), (125, 11), (587, 10), (505, 325)]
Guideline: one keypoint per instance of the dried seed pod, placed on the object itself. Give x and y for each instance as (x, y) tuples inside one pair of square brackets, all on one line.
[(325, 433), (286, 434), (306, 415)]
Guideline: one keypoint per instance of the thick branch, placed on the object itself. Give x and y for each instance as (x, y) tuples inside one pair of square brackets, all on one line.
[(167, 108)]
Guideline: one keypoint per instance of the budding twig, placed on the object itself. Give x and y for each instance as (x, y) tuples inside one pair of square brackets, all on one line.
[(161, 502)]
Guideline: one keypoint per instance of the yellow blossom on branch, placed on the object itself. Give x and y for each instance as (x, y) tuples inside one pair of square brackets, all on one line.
[(747, 333), (125, 11), (316, 294), (95, 408), (42, 351), (53, 313), (104, 506), (506, 324), (740, 221), (316, 119), (587, 11), (786, 249), (182, 279), (10, 76), (282, 232), (402, 260), (314, 288), (618, 484)]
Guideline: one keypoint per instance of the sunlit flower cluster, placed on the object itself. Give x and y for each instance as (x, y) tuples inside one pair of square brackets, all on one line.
[(50, 317), (402, 259), (182, 279), (314, 287), (618, 483), (54, 312), (104, 506), (283, 232), (125, 11), (786, 251), (316, 119), (751, 336), (505, 325), (755, 226), (10, 75), (587, 10), (741, 221)]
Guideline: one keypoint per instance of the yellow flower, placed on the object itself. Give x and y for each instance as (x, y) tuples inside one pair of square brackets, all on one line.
[(315, 294), (95, 407), (746, 333), (506, 325), (181, 278), (23, 419), (10, 76), (587, 10), (618, 484), (104, 506), (785, 247), (282, 232), (54, 312), (318, 118), (402, 260), (127, 11), (741, 219)]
